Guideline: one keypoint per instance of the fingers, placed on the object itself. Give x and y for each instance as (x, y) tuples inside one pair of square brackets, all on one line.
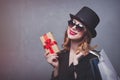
[(48, 54), (51, 57), (54, 60)]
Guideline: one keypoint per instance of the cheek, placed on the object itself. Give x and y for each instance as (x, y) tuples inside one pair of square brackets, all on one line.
[(79, 35), (68, 31)]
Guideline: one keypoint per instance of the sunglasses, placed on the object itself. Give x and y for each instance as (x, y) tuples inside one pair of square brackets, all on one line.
[(79, 27)]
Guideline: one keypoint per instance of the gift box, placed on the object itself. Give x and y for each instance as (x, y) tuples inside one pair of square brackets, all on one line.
[(49, 43)]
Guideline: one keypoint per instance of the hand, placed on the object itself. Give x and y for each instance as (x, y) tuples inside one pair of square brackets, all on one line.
[(52, 59), (76, 58)]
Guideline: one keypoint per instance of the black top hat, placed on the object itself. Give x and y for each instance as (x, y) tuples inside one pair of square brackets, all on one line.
[(89, 18)]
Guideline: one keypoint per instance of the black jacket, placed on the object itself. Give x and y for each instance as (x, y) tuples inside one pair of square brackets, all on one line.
[(86, 69)]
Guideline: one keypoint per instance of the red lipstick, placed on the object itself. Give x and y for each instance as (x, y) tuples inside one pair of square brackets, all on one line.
[(72, 32)]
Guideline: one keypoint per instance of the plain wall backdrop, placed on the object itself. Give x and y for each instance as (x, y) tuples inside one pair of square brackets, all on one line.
[(22, 22)]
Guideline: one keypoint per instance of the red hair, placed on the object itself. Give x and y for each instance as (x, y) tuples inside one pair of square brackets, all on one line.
[(84, 45)]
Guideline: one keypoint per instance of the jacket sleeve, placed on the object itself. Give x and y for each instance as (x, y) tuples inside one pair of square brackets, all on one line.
[(52, 76), (87, 69)]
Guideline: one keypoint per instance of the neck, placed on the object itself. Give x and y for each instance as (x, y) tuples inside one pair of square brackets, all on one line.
[(74, 45)]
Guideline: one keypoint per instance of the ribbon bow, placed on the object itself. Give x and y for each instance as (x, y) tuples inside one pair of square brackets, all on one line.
[(48, 45)]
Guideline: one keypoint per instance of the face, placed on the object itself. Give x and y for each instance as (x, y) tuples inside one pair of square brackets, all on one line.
[(75, 29)]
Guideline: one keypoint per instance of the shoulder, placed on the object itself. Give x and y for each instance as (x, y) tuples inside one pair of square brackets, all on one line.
[(63, 53), (93, 54)]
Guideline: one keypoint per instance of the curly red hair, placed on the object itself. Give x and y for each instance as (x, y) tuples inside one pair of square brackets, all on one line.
[(84, 45)]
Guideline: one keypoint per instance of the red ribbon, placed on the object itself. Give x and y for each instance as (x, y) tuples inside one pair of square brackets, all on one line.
[(48, 45)]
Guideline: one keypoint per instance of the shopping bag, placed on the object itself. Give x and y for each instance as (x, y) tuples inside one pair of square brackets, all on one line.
[(106, 68)]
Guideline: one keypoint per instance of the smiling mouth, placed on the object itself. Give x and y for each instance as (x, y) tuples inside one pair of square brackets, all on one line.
[(72, 32)]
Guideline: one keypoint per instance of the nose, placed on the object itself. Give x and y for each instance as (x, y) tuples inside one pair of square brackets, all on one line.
[(74, 27)]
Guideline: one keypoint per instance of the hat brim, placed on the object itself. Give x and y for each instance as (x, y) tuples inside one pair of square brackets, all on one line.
[(93, 32)]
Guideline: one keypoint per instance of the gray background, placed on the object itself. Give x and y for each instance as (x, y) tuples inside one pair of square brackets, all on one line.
[(22, 22)]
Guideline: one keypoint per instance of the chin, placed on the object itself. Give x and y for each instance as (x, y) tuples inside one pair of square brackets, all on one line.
[(73, 37)]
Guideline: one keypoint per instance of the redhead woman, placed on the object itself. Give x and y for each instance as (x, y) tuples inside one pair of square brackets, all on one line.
[(75, 62)]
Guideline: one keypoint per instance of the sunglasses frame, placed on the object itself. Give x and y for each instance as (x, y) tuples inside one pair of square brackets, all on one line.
[(79, 27)]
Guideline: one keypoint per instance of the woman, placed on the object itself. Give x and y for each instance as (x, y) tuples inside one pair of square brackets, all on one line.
[(75, 62)]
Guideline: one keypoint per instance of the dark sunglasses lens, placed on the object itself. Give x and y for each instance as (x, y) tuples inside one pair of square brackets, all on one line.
[(79, 28), (70, 23)]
